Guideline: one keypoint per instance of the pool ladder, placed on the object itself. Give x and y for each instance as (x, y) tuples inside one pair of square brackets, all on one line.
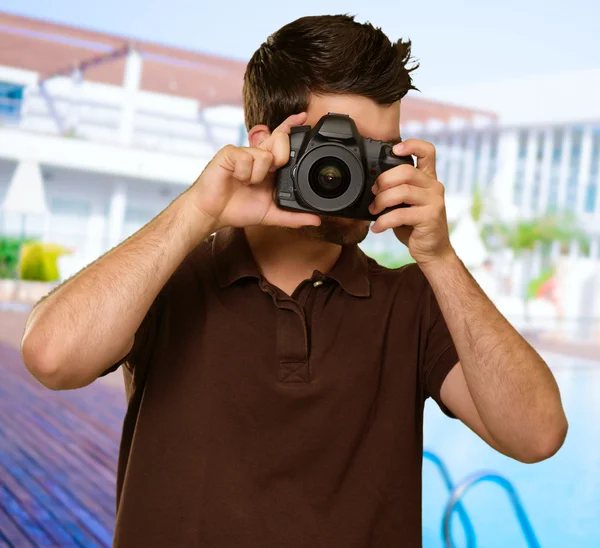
[(458, 491)]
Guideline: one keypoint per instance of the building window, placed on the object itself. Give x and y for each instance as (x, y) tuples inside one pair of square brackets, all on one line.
[(557, 149), (11, 99), (460, 160), (520, 172), (442, 145), (451, 159), (591, 194), (493, 157), (476, 160), (537, 173), (574, 161)]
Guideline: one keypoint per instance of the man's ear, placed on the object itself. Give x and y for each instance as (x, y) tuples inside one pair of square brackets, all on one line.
[(258, 134)]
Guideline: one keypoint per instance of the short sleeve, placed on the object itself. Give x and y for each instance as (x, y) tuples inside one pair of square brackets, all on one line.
[(143, 340), (440, 353)]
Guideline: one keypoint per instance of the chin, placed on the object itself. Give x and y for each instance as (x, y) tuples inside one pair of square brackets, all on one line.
[(337, 230)]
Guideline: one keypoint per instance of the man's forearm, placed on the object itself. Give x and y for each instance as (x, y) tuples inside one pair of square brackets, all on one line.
[(513, 389), (88, 322)]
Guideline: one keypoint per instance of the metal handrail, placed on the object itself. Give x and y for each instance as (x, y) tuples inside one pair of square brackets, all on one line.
[(461, 489), (462, 512)]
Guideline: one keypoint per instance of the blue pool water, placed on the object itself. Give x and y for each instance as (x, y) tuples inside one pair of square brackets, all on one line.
[(561, 495)]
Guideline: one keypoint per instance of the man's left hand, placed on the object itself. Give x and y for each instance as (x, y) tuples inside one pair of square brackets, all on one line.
[(423, 227)]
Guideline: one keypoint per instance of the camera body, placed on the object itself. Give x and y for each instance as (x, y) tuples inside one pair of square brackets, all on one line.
[(332, 169)]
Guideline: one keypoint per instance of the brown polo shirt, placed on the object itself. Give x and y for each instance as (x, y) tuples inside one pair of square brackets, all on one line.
[(260, 420)]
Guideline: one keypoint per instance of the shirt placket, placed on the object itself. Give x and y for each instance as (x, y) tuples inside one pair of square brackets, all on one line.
[(293, 350)]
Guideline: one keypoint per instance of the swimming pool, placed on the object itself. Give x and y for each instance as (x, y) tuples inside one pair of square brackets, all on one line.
[(561, 496)]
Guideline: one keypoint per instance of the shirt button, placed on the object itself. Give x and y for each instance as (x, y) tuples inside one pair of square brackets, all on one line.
[(318, 283)]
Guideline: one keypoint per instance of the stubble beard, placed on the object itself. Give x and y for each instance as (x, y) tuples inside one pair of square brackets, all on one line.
[(338, 231)]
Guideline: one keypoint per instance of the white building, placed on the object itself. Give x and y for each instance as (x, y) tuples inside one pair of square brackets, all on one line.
[(112, 131), (542, 157), (117, 129)]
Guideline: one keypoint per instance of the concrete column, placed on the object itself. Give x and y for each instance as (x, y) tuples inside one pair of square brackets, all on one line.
[(594, 248), (574, 250), (46, 235), (596, 211), (74, 108), (131, 84), (116, 214), (518, 277), (96, 243), (555, 251)]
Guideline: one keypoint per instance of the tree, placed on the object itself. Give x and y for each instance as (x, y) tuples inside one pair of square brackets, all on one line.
[(523, 236)]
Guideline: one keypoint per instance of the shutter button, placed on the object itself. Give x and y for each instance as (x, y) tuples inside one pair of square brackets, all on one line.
[(317, 283)]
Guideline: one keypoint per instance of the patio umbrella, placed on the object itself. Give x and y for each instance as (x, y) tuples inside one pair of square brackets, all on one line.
[(467, 243), (499, 199), (26, 194)]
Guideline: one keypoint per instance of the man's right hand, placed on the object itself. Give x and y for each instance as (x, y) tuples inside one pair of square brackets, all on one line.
[(89, 323), (236, 188)]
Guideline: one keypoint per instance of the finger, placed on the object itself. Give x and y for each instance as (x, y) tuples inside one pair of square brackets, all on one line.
[(236, 160), (402, 194), (423, 150), (400, 175), (291, 121), (279, 142), (280, 149), (290, 219), (263, 160), (407, 216), (252, 165)]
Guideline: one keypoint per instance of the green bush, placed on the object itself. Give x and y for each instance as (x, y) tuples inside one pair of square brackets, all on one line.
[(9, 257), (534, 285), (39, 262)]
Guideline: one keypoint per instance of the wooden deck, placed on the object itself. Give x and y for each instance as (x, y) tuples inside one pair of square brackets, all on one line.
[(58, 458)]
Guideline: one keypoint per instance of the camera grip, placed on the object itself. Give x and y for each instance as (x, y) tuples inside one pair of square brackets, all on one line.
[(388, 160)]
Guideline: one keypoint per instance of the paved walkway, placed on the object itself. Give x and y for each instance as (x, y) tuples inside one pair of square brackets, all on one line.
[(58, 458)]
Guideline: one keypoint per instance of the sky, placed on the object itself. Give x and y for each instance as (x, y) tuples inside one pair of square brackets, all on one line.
[(459, 42)]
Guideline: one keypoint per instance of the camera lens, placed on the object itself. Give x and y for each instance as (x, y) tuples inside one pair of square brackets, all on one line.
[(329, 177)]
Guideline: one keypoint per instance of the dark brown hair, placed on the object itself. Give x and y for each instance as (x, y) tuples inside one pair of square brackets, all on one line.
[(326, 54)]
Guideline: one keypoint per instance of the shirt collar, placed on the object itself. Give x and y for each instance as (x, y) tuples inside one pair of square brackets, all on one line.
[(233, 257), (234, 261)]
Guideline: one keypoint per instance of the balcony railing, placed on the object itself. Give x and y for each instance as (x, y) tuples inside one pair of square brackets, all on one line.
[(101, 122)]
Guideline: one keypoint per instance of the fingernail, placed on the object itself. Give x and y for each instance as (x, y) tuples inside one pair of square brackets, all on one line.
[(375, 189), (371, 208), (398, 148)]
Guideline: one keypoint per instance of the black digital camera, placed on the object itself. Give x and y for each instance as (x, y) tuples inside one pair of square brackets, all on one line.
[(332, 169)]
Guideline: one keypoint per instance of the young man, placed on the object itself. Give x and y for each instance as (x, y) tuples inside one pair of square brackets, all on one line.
[(276, 376)]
